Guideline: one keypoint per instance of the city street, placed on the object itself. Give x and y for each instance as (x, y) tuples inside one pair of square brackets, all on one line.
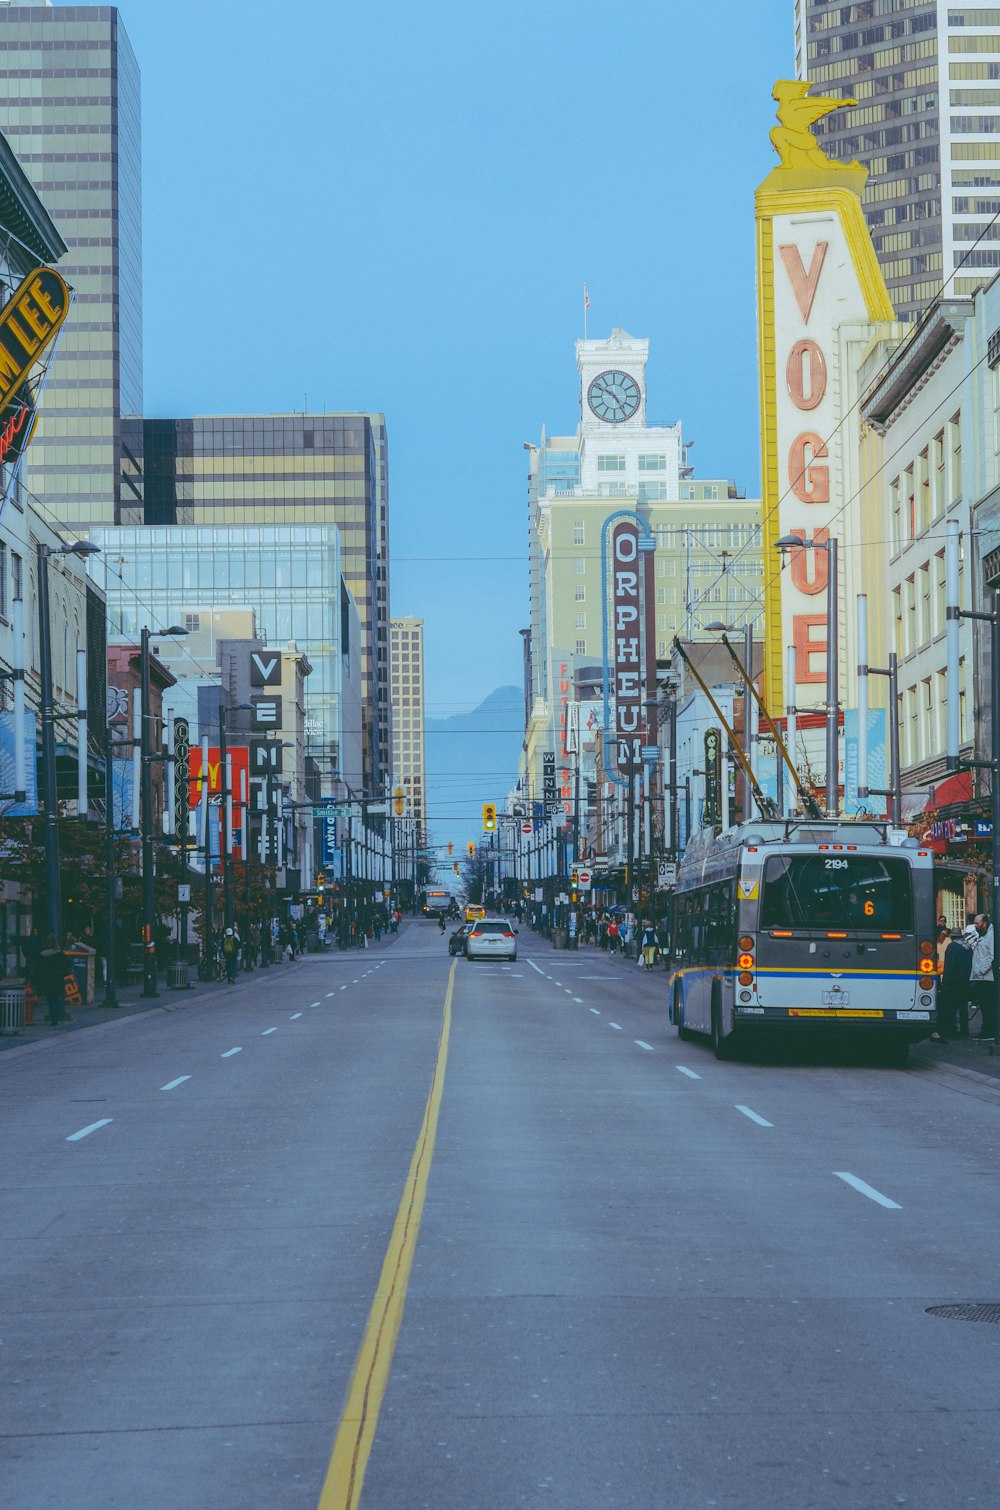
[(642, 1278)]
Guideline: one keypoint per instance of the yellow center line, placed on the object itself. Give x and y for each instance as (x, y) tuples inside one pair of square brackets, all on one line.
[(356, 1432)]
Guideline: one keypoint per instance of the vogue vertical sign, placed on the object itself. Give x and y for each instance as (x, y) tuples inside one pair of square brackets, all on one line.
[(820, 289), (627, 608)]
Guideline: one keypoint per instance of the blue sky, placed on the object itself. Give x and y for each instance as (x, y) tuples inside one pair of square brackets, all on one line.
[(394, 207)]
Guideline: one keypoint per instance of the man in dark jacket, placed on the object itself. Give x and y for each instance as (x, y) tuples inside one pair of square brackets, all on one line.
[(953, 991), (53, 967)]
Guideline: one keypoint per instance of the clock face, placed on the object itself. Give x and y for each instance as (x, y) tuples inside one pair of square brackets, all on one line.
[(614, 396)]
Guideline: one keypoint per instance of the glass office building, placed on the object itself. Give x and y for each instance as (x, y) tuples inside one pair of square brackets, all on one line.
[(926, 77), (293, 469), (291, 577), (69, 106)]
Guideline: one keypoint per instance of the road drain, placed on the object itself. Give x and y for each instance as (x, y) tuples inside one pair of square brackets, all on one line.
[(981, 1311)]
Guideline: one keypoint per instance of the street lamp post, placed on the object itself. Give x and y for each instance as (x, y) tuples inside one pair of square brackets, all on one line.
[(48, 728), (146, 811), (796, 542)]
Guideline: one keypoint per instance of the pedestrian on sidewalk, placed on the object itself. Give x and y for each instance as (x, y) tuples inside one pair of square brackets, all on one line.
[(613, 934), (231, 954), (648, 945), (53, 965), (953, 991), (981, 980)]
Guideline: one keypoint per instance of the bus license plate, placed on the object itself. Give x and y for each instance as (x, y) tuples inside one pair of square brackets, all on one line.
[(836, 998)]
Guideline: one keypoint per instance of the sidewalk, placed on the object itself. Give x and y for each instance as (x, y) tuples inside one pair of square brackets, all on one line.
[(131, 1001)]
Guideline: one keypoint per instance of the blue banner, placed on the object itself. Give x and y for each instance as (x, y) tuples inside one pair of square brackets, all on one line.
[(28, 809), (877, 762)]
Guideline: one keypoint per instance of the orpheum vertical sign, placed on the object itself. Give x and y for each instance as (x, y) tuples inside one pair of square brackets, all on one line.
[(817, 275), (627, 609)]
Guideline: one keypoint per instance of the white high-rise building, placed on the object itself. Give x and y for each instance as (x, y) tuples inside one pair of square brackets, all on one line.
[(926, 76), (406, 659)]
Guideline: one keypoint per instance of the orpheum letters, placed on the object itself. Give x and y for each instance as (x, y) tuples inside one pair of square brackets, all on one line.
[(627, 601)]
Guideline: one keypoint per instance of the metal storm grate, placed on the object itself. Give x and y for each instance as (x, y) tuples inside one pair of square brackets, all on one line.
[(981, 1311)]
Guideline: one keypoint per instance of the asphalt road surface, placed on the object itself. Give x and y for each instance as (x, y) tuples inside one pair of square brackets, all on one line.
[(622, 1274)]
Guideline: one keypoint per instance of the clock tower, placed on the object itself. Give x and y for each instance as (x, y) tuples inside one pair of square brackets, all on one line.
[(612, 383)]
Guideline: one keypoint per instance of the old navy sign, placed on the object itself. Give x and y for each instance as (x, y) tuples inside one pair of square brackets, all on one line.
[(627, 608), (29, 323)]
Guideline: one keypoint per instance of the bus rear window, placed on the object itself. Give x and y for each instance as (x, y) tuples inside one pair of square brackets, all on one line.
[(853, 892)]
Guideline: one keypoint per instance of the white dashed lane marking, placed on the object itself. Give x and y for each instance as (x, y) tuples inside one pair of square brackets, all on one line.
[(268, 1030), (296, 1014), (643, 1045), (682, 1069), (864, 1189), (86, 1131), (172, 1085), (760, 1121), (616, 1025), (230, 1052)]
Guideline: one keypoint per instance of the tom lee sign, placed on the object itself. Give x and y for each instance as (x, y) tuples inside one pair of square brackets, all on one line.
[(29, 323)]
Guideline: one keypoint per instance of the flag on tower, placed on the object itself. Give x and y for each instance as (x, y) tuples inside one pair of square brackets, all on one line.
[(586, 297)]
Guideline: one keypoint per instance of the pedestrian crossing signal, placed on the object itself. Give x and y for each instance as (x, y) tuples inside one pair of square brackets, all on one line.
[(489, 817)]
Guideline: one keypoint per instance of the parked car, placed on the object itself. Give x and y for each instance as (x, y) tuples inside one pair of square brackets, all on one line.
[(456, 944), (491, 938)]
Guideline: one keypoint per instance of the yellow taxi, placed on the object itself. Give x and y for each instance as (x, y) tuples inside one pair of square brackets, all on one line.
[(473, 912)]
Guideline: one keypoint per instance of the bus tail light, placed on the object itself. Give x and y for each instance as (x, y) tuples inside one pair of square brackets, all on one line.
[(745, 978), (928, 967), (746, 942), (745, 961), (926, 947)]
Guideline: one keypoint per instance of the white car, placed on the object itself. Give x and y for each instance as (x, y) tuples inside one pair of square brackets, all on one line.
[(491, 938)]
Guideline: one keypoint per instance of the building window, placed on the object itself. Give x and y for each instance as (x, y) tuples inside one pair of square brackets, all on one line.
[(652, 492), (581, 647), (3, 579), (579, 566), (661, 595), (579, 532), (652, 463), (579, 595), (192, 622), (580, 621), (955, 458), (611, 463), (17, 574)]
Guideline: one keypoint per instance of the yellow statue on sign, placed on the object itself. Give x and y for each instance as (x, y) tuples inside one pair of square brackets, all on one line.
[(794, 141)]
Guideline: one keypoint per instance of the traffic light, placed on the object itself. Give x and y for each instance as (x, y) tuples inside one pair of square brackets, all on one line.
[(471, 848), (320, 882), (455, 867), (451, 848), (399, 800), (490, 817)]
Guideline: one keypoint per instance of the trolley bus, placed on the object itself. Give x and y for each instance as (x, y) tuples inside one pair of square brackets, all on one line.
[(802, 926), (436, 902)]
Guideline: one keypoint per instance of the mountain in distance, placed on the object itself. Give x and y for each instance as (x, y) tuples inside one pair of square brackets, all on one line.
[(472, 758)]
